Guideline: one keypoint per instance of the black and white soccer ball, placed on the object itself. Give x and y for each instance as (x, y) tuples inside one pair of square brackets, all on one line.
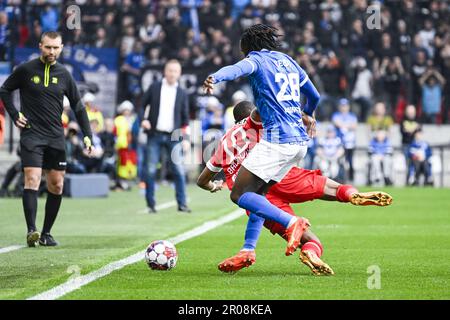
[(161, 255)]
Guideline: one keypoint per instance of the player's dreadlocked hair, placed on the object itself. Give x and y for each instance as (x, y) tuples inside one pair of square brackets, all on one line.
[(259, 36)]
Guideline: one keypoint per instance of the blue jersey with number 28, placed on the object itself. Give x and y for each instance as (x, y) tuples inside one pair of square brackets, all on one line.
[(276, 80), (276, 87)]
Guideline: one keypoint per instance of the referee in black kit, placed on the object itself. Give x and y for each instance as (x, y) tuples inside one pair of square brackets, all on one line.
[(43, 83)]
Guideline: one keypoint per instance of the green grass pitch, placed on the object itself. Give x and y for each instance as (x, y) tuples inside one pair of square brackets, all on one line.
[(409, 242)]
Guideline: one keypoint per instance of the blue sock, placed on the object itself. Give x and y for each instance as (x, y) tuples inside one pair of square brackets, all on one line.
[(260, 206), (254, 226)]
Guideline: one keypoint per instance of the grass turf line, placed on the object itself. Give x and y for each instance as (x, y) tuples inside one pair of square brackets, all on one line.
[(409, 241), (92, 233)]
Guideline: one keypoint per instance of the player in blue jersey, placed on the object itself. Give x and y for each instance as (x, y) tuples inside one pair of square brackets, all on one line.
[(277, 81)]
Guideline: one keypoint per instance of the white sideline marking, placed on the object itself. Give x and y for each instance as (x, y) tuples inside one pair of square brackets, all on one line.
[(78, 282), (11, 248), (162, 206)]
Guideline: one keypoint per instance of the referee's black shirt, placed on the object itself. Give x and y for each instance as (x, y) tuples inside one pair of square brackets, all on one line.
[(42, 89)]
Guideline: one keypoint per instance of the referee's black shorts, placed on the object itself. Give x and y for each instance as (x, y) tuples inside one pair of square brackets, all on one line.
[(38, 152)]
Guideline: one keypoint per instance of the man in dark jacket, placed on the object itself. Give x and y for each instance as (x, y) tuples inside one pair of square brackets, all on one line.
[(166, 118)]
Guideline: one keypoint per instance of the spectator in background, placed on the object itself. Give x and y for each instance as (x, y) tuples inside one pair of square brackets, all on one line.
[(214, 115), (417, 46), (74, 149), (403, 39), (330, 155), (357, 39), (380, 154), (333, 80), (154, 57), (391, 73), (238, 7), (379, 120), (128, 39), (432, 83), (420, 154), (4, 36), (237, 97), (111, 29), (109, 160), (362, 89), (132, 67), (126, 162), (150, 31), (93, 162), (92, 112), (108, 140), (346, 123), (127, 9), (100, 40), (12, 173), (175, 33), (327, 31), (386, 50), (427, 36), (408, 128), (143, 9), (445, 56), (49, 18), (333, 7), (35, 37), (418, 68), (92, 15)]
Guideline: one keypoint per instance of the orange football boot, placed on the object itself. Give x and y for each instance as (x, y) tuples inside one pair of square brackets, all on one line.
[(294, 234), (245, 258), (372, 198), (317, 266)]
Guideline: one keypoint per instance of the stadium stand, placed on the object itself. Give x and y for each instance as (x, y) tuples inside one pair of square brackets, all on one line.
[(332, 40)]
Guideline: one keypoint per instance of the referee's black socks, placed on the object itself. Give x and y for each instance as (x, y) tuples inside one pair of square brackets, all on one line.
[(51, 211), (29, 200)]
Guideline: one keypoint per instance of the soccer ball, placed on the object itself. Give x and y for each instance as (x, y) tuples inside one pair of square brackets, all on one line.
[(161, 255)]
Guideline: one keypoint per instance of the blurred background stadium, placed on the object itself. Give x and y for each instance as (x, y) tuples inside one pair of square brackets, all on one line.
[(382, 68)]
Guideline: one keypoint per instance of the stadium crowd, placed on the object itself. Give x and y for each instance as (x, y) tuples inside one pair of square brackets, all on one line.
[(396, 72)]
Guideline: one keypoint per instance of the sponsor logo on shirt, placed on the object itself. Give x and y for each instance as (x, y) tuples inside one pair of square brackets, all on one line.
[(36, 79)]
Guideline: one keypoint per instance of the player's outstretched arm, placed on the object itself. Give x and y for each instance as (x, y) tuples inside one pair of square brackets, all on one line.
[(242, 68), (204, 181)]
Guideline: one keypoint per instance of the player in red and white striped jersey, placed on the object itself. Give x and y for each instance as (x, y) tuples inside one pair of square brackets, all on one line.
[(299, 185)]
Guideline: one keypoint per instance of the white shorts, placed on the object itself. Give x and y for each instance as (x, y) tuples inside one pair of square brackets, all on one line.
[(271, 161)]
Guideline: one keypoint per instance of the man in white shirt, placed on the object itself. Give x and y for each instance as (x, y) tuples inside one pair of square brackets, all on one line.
[(166, 117)]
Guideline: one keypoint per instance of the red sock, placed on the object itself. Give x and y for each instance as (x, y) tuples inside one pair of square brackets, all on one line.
[(314, 246), (344, 192)]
